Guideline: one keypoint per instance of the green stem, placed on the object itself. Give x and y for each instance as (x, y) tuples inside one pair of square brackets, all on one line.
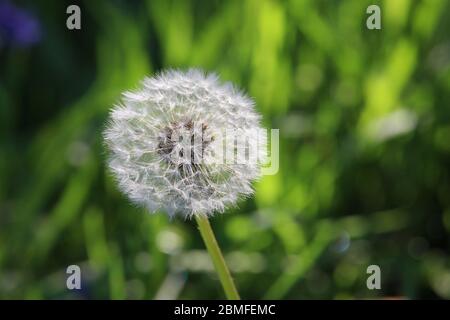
[(217, 258)]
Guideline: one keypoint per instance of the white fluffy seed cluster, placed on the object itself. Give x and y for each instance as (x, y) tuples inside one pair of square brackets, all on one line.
[(147, 156)]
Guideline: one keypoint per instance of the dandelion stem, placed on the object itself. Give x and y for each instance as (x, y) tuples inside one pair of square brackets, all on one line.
[(217, 258)]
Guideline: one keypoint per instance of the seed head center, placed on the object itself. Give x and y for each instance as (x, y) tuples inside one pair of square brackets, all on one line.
[(184, 142)]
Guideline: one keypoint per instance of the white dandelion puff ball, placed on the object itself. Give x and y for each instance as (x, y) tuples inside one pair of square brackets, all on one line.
[(170, 145)]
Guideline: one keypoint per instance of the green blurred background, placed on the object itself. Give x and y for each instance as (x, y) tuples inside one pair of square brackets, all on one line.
[(364, 149)]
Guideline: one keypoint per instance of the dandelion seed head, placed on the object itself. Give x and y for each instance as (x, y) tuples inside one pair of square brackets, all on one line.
[(166, 142)]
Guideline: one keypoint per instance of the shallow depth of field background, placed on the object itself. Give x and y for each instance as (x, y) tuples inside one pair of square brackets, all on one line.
[(364, 149)]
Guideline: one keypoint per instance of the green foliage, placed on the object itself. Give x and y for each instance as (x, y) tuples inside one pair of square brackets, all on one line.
[(364, 150)]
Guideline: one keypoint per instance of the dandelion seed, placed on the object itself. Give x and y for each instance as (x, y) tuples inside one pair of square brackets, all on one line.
[(167, 140)]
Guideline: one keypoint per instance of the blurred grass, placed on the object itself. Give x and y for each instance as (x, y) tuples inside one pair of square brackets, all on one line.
[(364, 157)]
